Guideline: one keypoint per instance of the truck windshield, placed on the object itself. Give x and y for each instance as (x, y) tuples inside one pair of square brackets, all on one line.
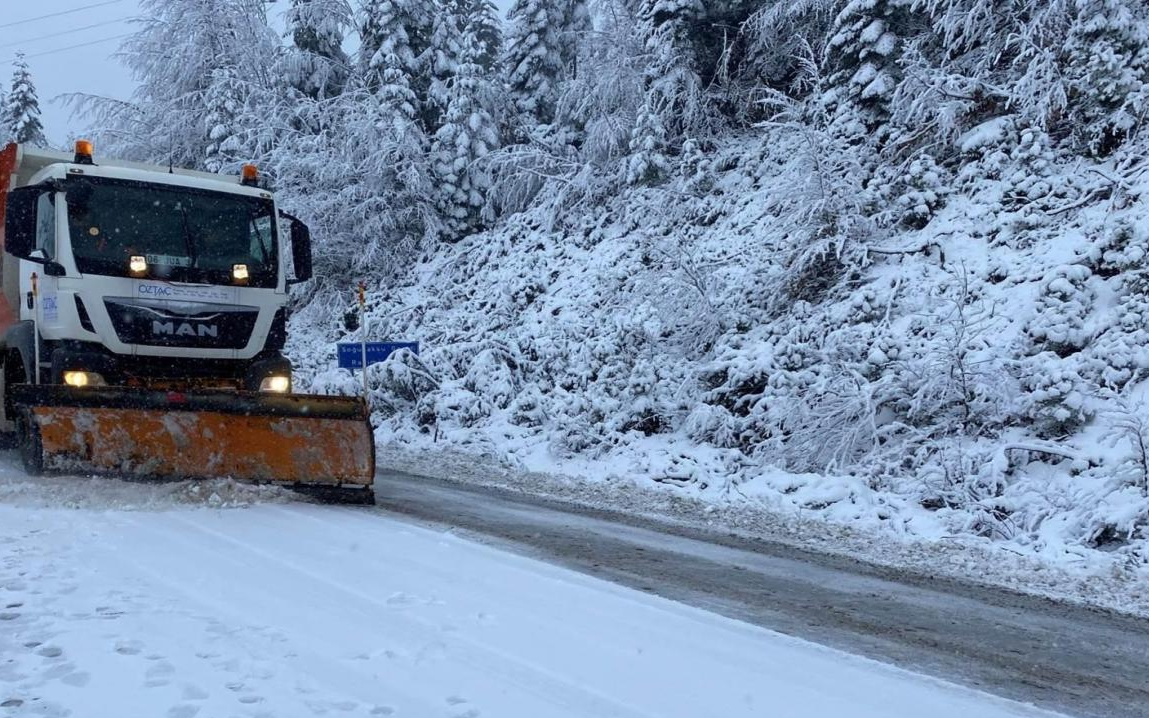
[(186, 235)]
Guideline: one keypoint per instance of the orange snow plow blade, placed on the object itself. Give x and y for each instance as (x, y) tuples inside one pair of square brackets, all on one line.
[(319, 444)]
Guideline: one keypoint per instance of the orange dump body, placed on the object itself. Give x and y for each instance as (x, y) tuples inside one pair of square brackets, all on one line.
[(308, 441)]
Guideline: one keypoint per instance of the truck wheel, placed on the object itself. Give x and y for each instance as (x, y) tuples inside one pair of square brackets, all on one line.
[(31, 447)]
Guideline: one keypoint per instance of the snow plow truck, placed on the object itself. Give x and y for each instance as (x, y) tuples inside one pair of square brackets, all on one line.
[(143, 315)]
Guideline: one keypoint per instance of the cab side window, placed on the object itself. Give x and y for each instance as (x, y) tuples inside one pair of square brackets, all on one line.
[(46, 225)]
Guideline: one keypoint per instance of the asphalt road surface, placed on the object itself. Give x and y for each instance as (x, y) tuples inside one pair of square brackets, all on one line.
[(1066, 658)]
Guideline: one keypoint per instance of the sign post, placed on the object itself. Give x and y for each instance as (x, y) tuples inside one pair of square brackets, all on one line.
[(363, 332)]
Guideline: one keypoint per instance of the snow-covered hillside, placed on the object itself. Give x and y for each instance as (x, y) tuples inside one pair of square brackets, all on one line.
[(981, 375)]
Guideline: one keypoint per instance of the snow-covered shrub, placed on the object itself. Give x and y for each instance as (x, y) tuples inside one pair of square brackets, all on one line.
[(960, 476), (492, 375), (1056, 398), (529, 408), (399, 383), (951, 379), (1065, 301), (1120, 352), (1119, 247), (831, 425), (922, 193)]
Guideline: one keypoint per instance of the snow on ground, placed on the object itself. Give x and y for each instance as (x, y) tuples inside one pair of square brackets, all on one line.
[(292, 609), (1082, 575)]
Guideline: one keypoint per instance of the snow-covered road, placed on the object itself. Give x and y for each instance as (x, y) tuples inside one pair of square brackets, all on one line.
[(290, 609)]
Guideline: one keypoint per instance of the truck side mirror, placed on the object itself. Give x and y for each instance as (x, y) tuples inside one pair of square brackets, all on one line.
[(20, 222), (300, 250)]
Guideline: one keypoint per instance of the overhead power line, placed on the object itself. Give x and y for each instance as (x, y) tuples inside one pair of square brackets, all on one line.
[(62, 12), (81, 44), (66, 32)]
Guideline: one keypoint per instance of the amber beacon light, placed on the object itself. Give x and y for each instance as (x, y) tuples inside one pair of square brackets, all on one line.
[(250, 175), (84, 152)]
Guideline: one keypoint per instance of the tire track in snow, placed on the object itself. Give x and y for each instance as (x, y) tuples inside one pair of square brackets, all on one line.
[(552, 687)]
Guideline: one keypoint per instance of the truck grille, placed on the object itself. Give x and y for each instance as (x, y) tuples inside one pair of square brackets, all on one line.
[(200, 326)]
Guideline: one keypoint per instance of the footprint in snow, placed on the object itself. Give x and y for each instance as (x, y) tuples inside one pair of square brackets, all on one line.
[(184, 711), (158, 675), (12, 703), (14, 605), (129, 648), (78, 679), (9, 616), (194, 693), (249, 700), (160, 670), (382, 711), (51, 651)]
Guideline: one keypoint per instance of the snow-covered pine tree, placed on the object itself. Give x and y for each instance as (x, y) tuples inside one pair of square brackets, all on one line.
[(388, 60), (576, 24), (223, 101), (22, 107), (452, 18), (443, 58), (467, 136), (672, 102), (863, 51), (172, 57), (1108, 66), (483, 18), (534, 60), (316, 65)]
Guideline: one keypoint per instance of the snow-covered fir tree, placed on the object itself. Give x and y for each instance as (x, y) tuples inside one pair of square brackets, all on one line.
[(223, 101), (864, 52), (389, 64), (444, 58), (22, 108), (483, 18), (452, 17), (672, 101), (537, 46), (467, 136), (1108, 57), (316, 64)]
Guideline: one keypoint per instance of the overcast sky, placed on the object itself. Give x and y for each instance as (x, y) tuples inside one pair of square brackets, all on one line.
[(70, 46), (70, 51)]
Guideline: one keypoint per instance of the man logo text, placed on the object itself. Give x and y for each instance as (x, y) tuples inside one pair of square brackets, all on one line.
[(184, 329)]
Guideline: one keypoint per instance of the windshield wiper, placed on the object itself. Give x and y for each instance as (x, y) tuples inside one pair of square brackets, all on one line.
[(259, 236), (189, 242)]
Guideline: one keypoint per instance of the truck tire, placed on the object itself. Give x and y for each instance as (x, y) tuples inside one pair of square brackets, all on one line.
[(31, 447)]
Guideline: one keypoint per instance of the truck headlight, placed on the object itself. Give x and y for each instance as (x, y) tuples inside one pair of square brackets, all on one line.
[(277, 384), (83, 378)]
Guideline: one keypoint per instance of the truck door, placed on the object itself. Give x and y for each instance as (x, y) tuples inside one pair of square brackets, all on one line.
[(47, 310)]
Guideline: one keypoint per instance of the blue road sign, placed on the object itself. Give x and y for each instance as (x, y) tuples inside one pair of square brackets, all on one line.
[(351, 353)]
